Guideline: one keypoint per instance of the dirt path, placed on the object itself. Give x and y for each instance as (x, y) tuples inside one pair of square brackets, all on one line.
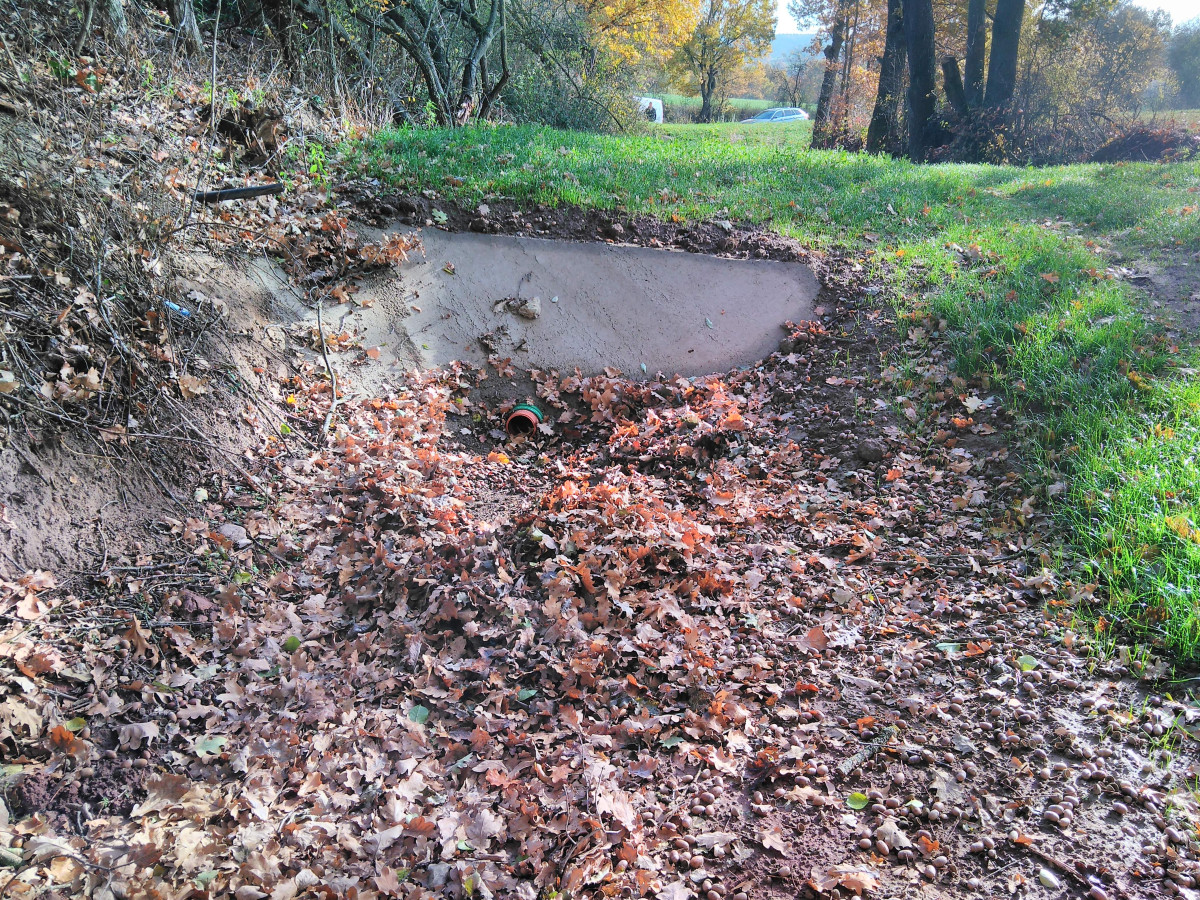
[(719, 637)]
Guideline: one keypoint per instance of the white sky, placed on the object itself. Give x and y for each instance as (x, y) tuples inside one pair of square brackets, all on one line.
[(1180, 10)]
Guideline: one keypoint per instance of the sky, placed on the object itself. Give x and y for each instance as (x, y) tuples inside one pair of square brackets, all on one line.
[(1180, 11)]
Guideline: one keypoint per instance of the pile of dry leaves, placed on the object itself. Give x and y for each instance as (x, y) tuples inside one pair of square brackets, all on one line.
[(720, 637)]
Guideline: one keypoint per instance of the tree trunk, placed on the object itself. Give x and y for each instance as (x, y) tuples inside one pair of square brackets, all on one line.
[(839, 120), (114, 16), (114, 11), (820, 135), (922, 85), (183, 17), (708, 87), (976, 48), (1006, 41), (883, 134), (956, 95)]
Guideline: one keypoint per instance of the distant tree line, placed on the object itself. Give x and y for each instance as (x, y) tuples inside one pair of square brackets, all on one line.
[(1022, 80), (999, 80)]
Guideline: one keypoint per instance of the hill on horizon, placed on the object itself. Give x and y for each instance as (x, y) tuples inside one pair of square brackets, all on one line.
[(784, 44)]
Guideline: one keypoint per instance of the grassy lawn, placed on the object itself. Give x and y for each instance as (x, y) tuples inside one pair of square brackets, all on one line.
[(735, 102), (1010, 258), (1189, 117)]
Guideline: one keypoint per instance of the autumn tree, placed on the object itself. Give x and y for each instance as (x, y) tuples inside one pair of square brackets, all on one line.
[(796, 81), (639, 31), (728, 33)]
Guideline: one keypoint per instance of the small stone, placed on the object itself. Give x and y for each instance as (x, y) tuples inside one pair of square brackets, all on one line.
[(530, 309), (870, 451), (614, 230), (1049, 880), (480, 225)]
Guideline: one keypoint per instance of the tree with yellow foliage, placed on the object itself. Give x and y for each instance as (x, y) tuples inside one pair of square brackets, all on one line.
[(727, 35), (640, 31)]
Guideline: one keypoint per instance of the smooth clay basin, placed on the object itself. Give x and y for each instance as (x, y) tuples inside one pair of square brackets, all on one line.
[(635, 309)]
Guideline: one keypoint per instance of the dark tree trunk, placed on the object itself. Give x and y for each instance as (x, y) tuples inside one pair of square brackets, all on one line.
[(825, 99), (922, 84), (952, 79), (183, 17), (976, 48), (708, 88), (1006, 41), (883, 134)]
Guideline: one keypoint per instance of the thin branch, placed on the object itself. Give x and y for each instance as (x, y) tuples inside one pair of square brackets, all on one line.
[(328, 368)]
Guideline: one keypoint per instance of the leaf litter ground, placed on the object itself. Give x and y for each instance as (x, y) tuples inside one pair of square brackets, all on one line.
[(784, 631)]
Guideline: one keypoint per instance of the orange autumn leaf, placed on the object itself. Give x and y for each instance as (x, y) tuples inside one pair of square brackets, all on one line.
[(974, 649), (893, 474), (62, 737)]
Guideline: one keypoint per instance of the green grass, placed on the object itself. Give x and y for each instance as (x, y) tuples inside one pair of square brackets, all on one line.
[(678, 107), (735, 102), (1027, 306), (1190, 117)]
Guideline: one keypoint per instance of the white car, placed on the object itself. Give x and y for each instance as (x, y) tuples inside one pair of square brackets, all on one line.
[(777, 115)]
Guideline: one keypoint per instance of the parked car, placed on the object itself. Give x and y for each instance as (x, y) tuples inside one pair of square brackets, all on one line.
[(650, 108), (779, 114)]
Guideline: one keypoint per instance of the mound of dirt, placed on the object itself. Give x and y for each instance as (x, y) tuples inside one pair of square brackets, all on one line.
[(1146, 144)]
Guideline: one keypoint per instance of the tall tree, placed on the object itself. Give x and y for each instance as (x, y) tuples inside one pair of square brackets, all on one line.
[(114, 15), (727, 35), (976, 50), (832, 52), (922, 83), (884, 133), (1006, 42)]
